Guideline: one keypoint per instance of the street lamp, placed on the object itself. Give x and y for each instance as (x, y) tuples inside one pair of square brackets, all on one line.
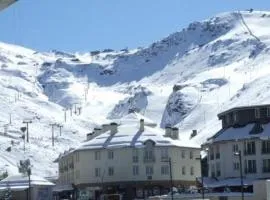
[(171, 181), (241, 172)]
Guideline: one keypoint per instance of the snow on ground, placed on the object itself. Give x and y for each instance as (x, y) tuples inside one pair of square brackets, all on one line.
[(184, 80)]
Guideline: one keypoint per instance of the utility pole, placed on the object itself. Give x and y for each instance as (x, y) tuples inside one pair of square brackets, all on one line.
[(60, 128), (170, 164), (9, 118), (239, 154), (65, 114), (27, 129), (52, 125)]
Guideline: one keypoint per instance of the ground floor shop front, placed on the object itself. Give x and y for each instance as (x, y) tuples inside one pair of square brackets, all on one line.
[(128, 190)]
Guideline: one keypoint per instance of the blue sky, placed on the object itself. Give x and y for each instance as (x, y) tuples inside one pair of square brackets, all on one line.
[(84, 25)]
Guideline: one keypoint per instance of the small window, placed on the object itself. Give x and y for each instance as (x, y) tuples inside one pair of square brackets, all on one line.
[(235, 148), (192, 171), (191, 154), (135, 170), (165, 170), (183, 170), (164, 154), (149, 170), (110, 171), (236, 166), (135, 155), (97, 172), (97, 155), (183, 154), (268, 111), (235, 117), (110, 155), (257, 113)]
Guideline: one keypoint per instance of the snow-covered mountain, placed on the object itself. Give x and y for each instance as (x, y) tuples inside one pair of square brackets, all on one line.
[(185, 80)]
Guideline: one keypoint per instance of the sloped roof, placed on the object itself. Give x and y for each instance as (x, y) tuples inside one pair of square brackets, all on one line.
[(5, 3), (21, 181), (129, 135), (241, 133)]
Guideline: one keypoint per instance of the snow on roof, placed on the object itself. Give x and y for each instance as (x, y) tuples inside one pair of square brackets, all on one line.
[(129, 135), (134, 117), (20, 180), (213, 183), (243, 108), (241, 133)]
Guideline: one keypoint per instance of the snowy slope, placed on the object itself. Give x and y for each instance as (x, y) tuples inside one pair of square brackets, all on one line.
[(184, 80)]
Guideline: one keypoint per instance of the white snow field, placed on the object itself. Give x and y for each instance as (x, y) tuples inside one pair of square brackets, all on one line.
[(183, 80)]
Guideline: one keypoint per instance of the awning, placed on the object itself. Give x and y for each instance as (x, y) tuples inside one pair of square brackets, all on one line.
[(61, 188)]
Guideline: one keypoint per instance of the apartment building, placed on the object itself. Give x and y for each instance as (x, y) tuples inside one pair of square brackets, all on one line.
[(245, 130), (131, 159)]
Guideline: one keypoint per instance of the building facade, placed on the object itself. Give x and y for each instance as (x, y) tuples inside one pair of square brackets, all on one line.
[(245, 130), (132, 160)]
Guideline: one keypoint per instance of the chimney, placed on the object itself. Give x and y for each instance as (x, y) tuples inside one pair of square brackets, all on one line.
[(113, 127), (89, 136), (193, 134), (97, 131), (168, 131), (175, 133), (105, 127), (141, 125)]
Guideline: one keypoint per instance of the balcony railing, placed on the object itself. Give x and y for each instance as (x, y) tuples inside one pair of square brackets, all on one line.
[(246, 153), (265, 150), (149, 159), (266, 169)]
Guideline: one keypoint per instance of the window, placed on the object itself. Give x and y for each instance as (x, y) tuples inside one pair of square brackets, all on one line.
[(218, 173), (192, 171), (135, 170), (236, 166), (250, 166), (257, 113), (235, 117), (250, 148), (235, 148), (97, 172), (266, 165), (211, 152), (97, 155), (149, 170), (110, 155), (148, 155), (228, 119), (213, 170), (191, 154), (110, 171), (135, 155), (164, 154), (183, 154), (165, 170), (266, 146), (268, 111), (183, 170), (217, 152)]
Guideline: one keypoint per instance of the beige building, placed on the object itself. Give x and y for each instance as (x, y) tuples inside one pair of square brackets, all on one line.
[(132, 159), (245, 130)]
